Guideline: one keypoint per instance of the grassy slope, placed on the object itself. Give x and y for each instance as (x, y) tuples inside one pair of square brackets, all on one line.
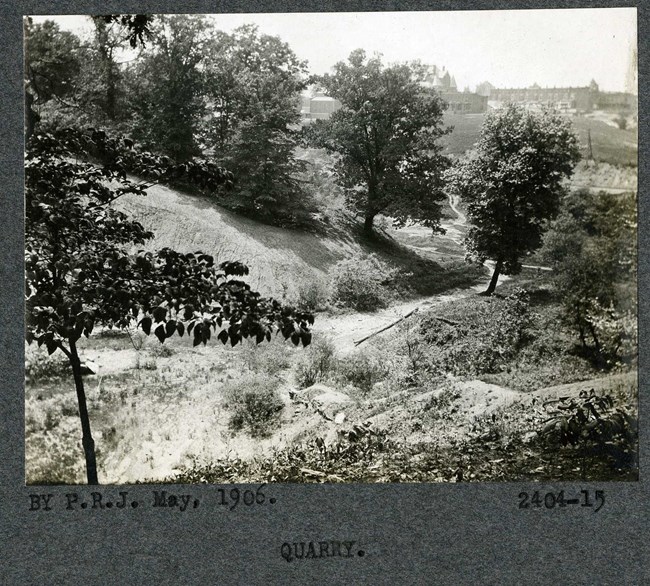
[(282, 260), (277, 257), (610, 144)]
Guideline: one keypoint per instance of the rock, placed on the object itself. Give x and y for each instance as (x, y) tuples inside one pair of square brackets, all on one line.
[(323, 394), (530, 436), (88, 367), (324, 400), (340, 418)]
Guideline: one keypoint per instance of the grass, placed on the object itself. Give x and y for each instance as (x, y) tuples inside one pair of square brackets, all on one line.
[(142, 418), (420, 276), (610, 144)]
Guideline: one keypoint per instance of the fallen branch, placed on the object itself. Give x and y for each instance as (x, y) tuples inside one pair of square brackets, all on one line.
[(409, 314), (444, 320)]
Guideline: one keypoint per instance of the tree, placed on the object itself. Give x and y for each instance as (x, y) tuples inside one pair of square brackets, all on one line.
[(513, 183), (137, 26), (165, 86), (52, 64), (75, 83), (51, 61), (80, 270), (253, 83), (103, 83), (386, 135), (592, 247)]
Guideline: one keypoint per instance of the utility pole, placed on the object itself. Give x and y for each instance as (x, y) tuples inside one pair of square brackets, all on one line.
[(590, 150)]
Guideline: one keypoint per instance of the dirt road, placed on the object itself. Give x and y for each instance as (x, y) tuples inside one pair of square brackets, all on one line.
[(346, 329)]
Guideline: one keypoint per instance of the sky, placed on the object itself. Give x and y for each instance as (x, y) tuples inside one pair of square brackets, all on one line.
[(508, 48)]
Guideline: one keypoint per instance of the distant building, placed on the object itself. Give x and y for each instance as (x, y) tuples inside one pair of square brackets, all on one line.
[(580, 99), (464, 102), (620, 101), (322, 107), (575, 99), (319, 107)]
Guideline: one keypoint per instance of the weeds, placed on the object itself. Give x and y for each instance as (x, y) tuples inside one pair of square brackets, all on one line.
[(254, 405), (40, 366), (318, 364), (363, 369), (269, 358), (161, 351), (313, 295), (362, 283)]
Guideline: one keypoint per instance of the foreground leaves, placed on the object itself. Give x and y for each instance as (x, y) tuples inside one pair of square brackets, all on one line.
[(80, 270)]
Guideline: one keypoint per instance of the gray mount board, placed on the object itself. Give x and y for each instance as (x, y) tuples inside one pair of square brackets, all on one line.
[(410, 534)]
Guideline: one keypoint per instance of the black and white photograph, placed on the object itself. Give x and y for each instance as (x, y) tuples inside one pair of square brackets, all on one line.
[(380, 247)]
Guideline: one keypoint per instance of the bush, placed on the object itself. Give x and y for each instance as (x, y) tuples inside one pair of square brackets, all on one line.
[(488, 336), (161, 351), (313, 295), (615, 334), (361, 283), (595, 425), (40, 366), (318, 364), (254, 404), (363, 370)]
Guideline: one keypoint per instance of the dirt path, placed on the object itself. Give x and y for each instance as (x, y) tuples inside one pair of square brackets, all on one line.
[(345, 330)]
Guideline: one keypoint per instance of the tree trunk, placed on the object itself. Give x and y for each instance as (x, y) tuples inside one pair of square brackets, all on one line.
[(31, 117), (581, 328), (111, 89), (495, 278), (87, 438), (368, 223)]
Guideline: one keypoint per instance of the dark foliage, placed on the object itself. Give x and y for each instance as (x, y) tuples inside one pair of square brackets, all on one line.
[(386, 135), (592, 246), (513, 184), (80, 270)]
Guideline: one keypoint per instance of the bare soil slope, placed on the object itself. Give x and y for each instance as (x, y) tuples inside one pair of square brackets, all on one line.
[(277, 258)]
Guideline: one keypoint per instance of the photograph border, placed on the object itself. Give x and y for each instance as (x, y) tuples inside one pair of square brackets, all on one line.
[(466, 533)]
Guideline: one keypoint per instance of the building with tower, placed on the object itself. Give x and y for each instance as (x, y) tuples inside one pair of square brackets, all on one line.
[(464, 102)]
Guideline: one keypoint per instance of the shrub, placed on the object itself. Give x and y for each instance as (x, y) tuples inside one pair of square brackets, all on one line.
[(594, 425), (614, 333), (361, 283), (313, 295), (487, 337), (161, 351), (363, 369), (317, 365), (254, 404), (40, 366)]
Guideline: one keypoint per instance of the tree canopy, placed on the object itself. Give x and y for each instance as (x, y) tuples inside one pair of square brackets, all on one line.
[(252, 84), (81, 271), (386, 135), (53, 61), (191, 91), (165, 85), (513, 184), (592, 247)]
